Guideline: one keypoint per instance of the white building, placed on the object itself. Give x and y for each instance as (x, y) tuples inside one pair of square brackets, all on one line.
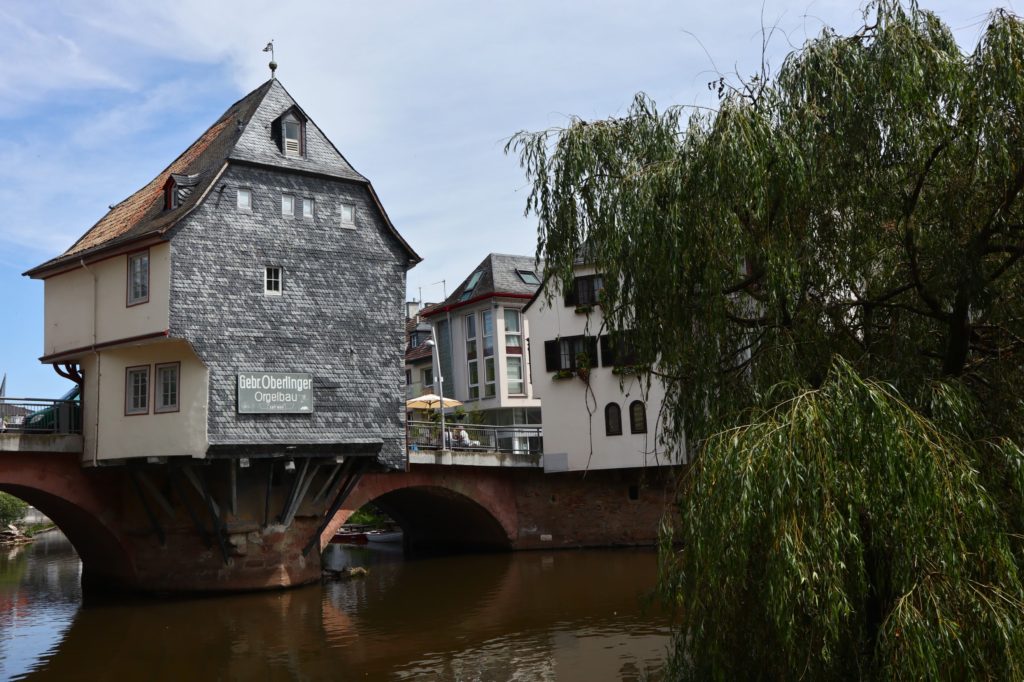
[(614, 424)]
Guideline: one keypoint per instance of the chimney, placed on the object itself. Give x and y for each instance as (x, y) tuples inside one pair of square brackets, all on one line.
[(412, 309)]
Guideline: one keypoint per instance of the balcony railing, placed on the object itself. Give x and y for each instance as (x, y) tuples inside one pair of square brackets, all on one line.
[(39, 415), (520, 440)]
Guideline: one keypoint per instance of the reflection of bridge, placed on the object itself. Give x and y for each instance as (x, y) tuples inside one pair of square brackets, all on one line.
[(214, 524)]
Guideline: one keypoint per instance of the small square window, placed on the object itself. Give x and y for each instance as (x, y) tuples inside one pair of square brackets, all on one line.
[(273, 283), (287, 205), (136, 390), (244, 199), (307, 208), (348, 215), (138, 278), (165, 396)]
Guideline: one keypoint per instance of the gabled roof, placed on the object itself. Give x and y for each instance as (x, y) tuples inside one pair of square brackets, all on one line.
[(235, 136), (497, 275)]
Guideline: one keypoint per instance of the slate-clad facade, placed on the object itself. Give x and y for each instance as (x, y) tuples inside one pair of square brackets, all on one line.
[(339, 315)]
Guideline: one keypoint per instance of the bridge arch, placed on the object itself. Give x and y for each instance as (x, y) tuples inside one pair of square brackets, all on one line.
[(438, 509), (79, 503)]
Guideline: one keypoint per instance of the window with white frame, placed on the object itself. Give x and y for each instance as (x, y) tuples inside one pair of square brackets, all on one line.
[(473, 375), (307, 208), (244, 199), (138, 278), (166, 393), (287, 205), (514, 374), (513, 332), (487, 341), (428, 378), (136, 390), (273, 280), (348, 215), (291, 129)]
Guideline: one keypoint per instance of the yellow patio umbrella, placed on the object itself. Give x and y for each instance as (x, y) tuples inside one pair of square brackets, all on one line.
[(430, 401)]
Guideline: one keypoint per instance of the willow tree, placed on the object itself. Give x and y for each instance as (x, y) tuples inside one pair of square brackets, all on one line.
[(855, 214)]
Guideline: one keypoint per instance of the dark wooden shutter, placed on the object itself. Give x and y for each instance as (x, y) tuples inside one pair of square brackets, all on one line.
[(592, 350), (571, 295), (275, 134), (552, 356), (607, 354)]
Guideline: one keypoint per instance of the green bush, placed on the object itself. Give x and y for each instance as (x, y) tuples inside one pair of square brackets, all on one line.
[(11, 508)]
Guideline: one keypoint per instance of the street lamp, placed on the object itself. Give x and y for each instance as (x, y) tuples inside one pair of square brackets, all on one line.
[(435, 364)]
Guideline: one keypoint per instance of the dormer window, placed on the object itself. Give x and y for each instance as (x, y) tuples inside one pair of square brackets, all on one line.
[(170, 195), (292, 137)]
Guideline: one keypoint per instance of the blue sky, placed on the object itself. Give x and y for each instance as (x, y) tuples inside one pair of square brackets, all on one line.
[(97, 97)]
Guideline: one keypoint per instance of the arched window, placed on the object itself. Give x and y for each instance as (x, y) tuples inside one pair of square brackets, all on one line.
[(637, 417), (612, 420)]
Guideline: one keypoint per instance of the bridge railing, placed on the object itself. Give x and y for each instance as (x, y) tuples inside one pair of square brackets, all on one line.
[(426, 435), (40, 415)]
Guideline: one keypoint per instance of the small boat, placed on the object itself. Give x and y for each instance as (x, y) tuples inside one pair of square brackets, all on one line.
[(351, 535), (384, 536)]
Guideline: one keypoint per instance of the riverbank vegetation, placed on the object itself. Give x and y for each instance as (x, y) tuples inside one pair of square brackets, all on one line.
[(827, 266)]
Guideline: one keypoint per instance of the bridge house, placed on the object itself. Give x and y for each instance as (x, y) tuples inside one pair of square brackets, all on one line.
[(248, 301), (236, 328)]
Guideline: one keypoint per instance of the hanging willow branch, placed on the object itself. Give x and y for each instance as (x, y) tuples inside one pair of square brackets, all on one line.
[(856, 214)]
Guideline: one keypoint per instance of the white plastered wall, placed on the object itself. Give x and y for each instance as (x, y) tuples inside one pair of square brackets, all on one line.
[(573, 418), (117, 436), (70, 305)]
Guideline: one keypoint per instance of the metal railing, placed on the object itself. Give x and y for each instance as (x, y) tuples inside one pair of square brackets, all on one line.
[(40, 415), (426, 435)]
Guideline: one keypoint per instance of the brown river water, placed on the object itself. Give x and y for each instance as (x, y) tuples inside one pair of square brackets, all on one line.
[(565, 615)]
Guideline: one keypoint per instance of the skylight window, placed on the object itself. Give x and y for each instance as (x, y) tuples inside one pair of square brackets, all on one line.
[(528, 277), (470, 286)]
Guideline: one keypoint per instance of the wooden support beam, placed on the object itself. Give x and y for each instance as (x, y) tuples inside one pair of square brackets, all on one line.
[(353, 469), (201, 488), (218, 527), (297, 502), (233, 476), (180, 491), (270, 485), (328, 484), (153, 521), (164, 503), (296, 483)]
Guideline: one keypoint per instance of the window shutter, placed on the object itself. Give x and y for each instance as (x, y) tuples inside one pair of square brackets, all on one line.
[(592, 350), (552, 356), (571, 295), (607, 354), (275, 133)]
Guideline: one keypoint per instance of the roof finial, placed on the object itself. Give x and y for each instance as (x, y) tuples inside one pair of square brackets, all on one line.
[(273, 65)]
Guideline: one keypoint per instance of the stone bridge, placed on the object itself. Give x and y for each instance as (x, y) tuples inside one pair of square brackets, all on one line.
[(210, 525)]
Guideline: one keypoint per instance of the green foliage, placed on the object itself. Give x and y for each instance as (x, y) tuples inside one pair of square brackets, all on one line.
[(11, 508), (842, 535), (856, 214), (863, 202), (370, 516)]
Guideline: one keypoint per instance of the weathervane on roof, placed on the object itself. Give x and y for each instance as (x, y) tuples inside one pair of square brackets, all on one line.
[(273, 65)]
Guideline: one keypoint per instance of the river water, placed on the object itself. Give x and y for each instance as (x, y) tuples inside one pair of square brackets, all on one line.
[(566, 615)]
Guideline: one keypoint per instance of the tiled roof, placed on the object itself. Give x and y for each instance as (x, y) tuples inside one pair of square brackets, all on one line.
[(424, 350), (232, 137), (498, 274)]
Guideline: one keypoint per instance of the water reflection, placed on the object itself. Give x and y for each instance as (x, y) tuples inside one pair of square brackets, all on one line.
[(530, 616)]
